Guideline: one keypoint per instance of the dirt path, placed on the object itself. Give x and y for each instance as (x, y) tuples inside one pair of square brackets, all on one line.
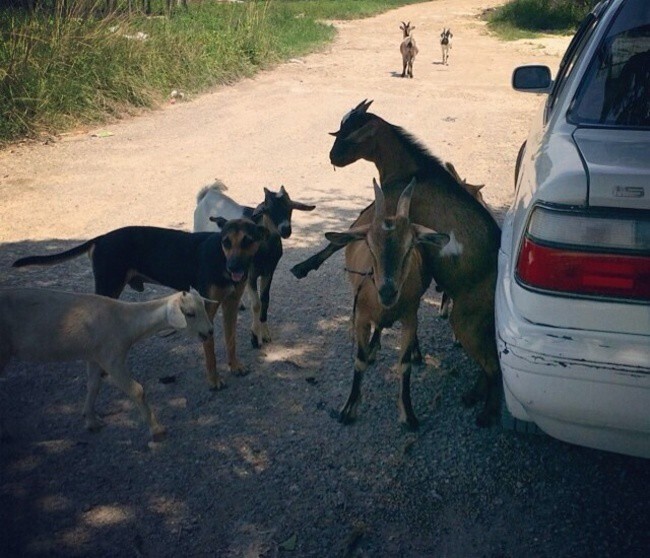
[(261, 469)]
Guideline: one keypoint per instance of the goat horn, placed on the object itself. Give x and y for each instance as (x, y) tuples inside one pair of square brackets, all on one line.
[(362, 107), (380, 203), (404, 203)]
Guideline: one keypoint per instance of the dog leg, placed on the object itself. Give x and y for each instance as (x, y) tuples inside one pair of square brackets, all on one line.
[(229, 308), (265, 287), (256, 305), (211, 374)]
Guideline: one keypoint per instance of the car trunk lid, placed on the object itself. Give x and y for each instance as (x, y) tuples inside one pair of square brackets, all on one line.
[(618, 167)]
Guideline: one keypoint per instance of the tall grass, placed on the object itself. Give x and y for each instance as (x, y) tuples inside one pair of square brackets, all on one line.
[(62, 69), (520, 18)]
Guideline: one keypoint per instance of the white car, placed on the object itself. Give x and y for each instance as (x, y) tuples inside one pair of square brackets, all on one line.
[(573, 292)]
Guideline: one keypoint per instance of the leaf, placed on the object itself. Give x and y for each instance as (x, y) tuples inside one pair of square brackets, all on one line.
[(290, 544)]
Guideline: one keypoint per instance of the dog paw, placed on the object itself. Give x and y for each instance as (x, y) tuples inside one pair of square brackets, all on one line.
[(216, 383), (239, 370), (94, 424), (159, 434)]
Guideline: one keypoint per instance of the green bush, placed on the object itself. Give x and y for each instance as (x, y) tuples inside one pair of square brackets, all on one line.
[(542, 15), (72, 63)]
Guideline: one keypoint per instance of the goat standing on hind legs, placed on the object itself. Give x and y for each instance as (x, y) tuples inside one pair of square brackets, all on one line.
[(385, 267), (408, 49), (466, 268)]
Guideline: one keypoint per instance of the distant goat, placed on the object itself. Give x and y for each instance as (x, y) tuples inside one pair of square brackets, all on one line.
[(408, 48), (44, 325), (385, 268), (445, 44), (274, 214)]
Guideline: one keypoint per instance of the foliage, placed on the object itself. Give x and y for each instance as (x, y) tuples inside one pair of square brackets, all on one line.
[(71, 62), (525, 17)]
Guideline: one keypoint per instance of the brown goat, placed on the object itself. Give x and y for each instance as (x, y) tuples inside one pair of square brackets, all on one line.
[(385, 267), (475, 191), (466, 268), (408, 48)]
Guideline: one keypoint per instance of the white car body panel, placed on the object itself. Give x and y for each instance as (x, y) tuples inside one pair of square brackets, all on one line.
[(578, 367)]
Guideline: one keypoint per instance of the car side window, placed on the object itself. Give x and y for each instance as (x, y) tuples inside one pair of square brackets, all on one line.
[(568, 61), (615, 91)]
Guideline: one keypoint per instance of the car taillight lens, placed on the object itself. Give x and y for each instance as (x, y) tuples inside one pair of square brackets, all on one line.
[(590, 255)]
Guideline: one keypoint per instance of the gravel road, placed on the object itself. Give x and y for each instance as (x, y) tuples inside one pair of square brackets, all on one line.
[(261, 469)]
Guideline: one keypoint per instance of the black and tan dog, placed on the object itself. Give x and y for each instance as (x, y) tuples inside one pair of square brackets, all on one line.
[(215, 264)]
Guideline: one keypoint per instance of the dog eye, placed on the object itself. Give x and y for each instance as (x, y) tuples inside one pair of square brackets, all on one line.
[(246, 242), (226, 243)]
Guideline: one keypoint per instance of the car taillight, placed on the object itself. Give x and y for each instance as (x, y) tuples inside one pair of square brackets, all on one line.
[(584, 254)]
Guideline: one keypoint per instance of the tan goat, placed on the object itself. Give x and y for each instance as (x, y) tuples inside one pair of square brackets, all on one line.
[(44, 325), (408, 48), (385, 268)]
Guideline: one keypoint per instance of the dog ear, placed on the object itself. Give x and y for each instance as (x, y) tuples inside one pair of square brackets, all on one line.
[(175, 316), (220, 221)]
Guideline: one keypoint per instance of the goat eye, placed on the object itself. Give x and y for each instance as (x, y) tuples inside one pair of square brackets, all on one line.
[(226, 243), (190, 315)]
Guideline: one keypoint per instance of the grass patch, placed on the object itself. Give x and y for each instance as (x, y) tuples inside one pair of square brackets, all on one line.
[(61, 70), (520, 19)]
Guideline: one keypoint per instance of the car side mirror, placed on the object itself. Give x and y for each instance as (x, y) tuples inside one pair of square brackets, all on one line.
[(532, 79)]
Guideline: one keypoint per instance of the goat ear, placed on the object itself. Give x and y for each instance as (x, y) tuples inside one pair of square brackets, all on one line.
[(344, 238), (425, 235), (175, 316), (404, 202), (380, 203), (220, 221), (302, 206)]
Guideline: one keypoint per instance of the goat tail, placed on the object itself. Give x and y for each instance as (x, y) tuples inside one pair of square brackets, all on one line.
[(56, 258), (216, 185)]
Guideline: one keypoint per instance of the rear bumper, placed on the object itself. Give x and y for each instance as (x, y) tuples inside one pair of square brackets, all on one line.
[(584, 387)]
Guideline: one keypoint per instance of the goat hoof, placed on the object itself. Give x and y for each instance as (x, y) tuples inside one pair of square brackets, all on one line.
[(299, 271), (345, 418), (159, 435), (411, 425), (484, 419), (94, 424), (255, 341), (469, 399)]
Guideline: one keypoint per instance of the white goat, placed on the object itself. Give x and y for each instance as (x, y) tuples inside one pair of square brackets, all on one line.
[(408, 48), (45, 325)]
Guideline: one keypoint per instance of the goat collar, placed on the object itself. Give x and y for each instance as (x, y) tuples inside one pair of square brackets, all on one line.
[(364, 273)]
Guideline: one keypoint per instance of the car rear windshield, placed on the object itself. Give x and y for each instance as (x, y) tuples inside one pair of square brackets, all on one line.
[(615, 91)]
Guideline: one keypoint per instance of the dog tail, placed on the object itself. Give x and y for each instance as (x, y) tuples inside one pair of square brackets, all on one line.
[(56, 258), (216, 185)]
